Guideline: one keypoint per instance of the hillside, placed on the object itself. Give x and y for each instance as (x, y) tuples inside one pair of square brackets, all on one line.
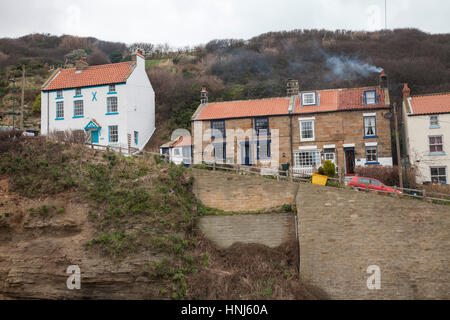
[(129, 224), (243, 69)]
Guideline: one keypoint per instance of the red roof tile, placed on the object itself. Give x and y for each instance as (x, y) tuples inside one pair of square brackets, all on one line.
[(436, 103), (330, 100), (91, 76), (244, 108), (182, 141)]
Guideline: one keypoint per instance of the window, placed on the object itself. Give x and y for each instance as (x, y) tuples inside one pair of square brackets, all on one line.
[(220, 151), (113, 133), (263, 149), (364, 181), (306, 130), (308, 98), (60, 110), (434, 122), (371, 154), (262, 126), (186, 152), (78, 92), (78, 108), (112, 105), (59, 94), (329, 155), (176, 151), (370, 129), (376, 183), (112, 88), (307, 159), (218, 128), (370, 97), (438, 175), (435, 144), (136, 136)]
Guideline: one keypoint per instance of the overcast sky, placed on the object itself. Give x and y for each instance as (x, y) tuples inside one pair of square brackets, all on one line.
[(191, 22)]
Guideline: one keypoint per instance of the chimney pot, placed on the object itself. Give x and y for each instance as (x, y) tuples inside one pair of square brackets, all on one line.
[(383, 79), (406, 91), (203, 95), (292, 88), (81, 64)]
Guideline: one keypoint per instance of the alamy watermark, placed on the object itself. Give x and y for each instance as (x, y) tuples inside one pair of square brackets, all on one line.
[(374, 280), (74, 280)]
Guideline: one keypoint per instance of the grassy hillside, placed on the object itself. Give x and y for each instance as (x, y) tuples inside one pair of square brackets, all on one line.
[(245, 69), (116, 211)]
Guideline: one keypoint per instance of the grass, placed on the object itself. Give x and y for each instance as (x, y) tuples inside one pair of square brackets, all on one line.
[(154, 62)]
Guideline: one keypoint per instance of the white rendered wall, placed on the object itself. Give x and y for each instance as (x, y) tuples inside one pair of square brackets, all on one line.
[(140, 104), (417, 131)]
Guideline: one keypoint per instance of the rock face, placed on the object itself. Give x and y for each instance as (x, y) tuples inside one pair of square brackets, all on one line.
[(37, 247)]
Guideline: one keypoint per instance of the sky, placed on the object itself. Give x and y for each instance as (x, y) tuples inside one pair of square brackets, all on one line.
[(190, 22)]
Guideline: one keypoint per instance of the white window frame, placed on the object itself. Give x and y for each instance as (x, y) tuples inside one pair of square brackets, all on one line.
[(438, 175), (306, 96), (77, 108), (327, 153), (314, 158), (59, 93), (304, 120), (366, 117), (366, 93), (373, 147), (113, 132), (110, 105), (112, 86), (436, 144), (77, 91), (60, 110), (434, 121)]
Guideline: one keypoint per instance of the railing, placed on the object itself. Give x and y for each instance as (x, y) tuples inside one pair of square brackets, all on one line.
[(129, 151), (295, 174)]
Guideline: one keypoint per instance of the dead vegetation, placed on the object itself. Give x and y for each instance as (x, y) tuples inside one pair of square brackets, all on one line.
[(138, 208)]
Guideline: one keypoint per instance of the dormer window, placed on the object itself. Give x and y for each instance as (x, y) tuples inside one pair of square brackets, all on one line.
[(78, 92), (59, 94), (308, 98), (370, 97)]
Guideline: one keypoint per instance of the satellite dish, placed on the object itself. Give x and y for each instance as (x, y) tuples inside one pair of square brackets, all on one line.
[(387, 115)]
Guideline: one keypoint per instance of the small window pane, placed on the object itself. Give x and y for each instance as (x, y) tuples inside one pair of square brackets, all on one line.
[(434, 121), (308, 98), (438, 175), (78, 91), (78, 108), (371, 154), (369, 126), (112, 88), (218, 128), (112, 104), (113, 134), (59, 110), (370, 97), (59, 94)]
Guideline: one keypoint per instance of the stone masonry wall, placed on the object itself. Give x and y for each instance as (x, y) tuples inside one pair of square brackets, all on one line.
[(232, 192), (271, 230), (342, 232)]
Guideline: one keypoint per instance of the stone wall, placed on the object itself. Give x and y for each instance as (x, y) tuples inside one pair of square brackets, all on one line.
[(271, 230), (232, 192), (342, 232)]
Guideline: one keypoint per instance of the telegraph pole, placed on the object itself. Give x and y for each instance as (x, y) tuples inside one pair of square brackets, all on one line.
[(385, 15), (14, 88), (397, 146), (23, 94)]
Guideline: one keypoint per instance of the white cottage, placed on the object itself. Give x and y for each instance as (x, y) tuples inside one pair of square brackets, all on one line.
[(114, 103), (427, 132)]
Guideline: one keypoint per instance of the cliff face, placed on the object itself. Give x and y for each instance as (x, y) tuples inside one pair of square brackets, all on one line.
[(37, 246)]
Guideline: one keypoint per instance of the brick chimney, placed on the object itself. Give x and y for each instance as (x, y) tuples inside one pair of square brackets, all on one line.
[(81, 64), (292, 88), (383, 79), (406, 91), (139, 53), (204, 95)]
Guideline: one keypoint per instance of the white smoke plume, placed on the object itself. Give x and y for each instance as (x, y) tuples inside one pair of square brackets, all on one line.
[(344, 67)]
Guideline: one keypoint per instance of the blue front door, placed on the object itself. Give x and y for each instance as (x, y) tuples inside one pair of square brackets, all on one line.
[(94, 136)]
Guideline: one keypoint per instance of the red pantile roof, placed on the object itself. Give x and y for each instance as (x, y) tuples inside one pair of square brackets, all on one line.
[(91, 76), (435, 103), (182, 142), (329, 100)]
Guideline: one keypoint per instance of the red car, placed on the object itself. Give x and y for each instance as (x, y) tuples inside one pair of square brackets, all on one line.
[(363, 183)]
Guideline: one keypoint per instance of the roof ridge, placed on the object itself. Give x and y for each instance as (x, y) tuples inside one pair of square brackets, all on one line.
[(242, 100), (100, 65), (431, 94)]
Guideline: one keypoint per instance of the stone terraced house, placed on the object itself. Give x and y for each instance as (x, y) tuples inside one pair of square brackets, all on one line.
[(350, 127), (427, 133), (113, 103)]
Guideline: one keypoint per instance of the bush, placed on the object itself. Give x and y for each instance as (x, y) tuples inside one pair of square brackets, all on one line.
[(387, 175), (329, 168), (37, 105), (320, 170)]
